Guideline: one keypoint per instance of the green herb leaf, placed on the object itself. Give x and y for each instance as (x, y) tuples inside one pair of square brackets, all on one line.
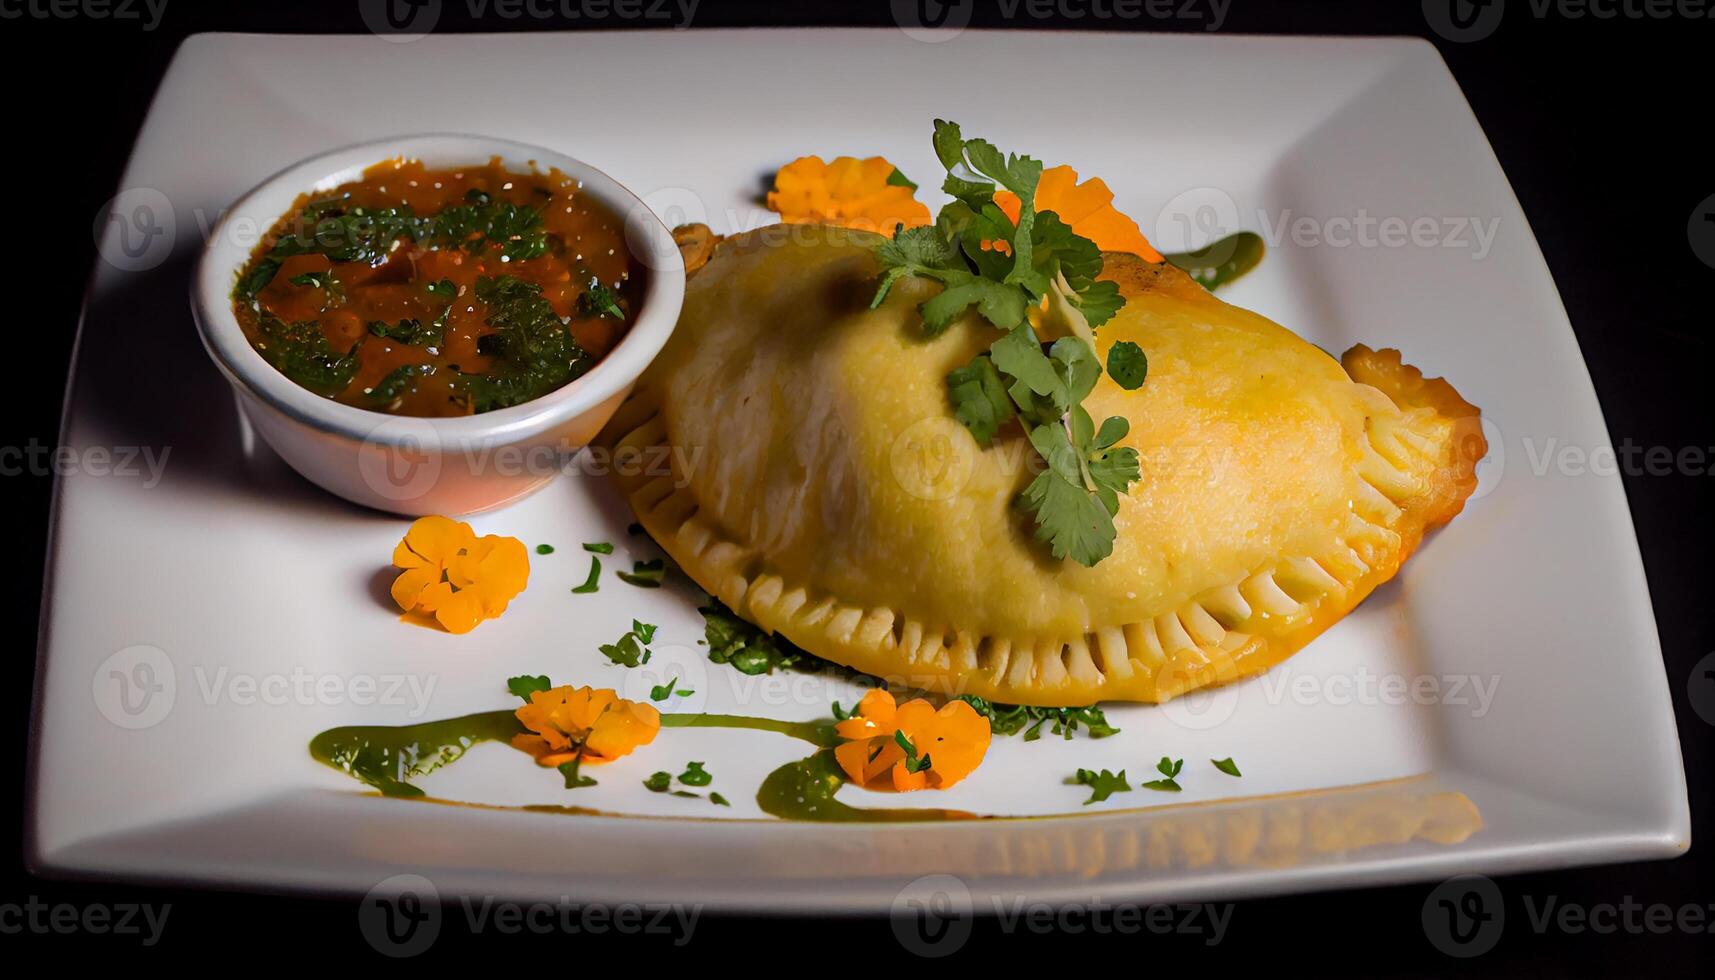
[(598, 547), (598, 299), (694, 775), (320, 280), (593, 582), (645, 574), (1073, 521), (631, 650), (398, 381), (748, 649), (980, 401), (1169, 769), (718, 800), (658, 782), (1010, 719), (525, 685), (1127, 365), (913, 763), (408, 331), (570, 771), (533, 351), (544, 549), (302, 353), (1226, 765), (1102, 784), (661, 692)]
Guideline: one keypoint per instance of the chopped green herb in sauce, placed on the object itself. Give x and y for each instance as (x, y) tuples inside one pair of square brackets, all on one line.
[(436, 293)]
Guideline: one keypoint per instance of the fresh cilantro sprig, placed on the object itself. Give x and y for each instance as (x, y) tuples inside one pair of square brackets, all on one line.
[(1001, 268)]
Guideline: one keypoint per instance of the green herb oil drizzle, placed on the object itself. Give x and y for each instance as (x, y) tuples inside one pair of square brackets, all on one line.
[(387, 757)]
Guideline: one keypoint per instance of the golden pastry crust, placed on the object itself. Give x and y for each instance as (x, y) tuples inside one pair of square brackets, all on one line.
[(820, 486)]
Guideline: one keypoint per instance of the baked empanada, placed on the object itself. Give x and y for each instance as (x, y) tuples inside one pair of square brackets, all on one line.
[(821, 487)]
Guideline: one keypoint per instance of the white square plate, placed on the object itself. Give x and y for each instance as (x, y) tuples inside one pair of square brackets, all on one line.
[(1501, 706)]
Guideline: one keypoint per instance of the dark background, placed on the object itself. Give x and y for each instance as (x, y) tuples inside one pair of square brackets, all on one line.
[(1602, 125)]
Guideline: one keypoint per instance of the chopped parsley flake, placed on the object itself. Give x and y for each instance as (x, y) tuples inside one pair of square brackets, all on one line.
[(661, 692), (1169, 769), (632, 649), (748, 649), (526, 684), (1102, 784), (593, 582), (645, 574), (1010, 719)]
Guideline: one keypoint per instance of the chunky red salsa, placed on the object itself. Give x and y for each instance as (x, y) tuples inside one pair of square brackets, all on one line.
[(439, 292)]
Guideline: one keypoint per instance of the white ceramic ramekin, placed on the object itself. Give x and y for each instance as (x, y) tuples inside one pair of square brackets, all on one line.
[(419, 466)]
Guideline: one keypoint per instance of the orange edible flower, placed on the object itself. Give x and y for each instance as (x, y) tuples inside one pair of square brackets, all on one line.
[(955, 738), (849, 192), (1088, 208), (595, 722), (454, 577)]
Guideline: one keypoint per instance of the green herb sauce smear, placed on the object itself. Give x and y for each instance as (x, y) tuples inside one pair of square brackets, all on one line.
[(388, 757)]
